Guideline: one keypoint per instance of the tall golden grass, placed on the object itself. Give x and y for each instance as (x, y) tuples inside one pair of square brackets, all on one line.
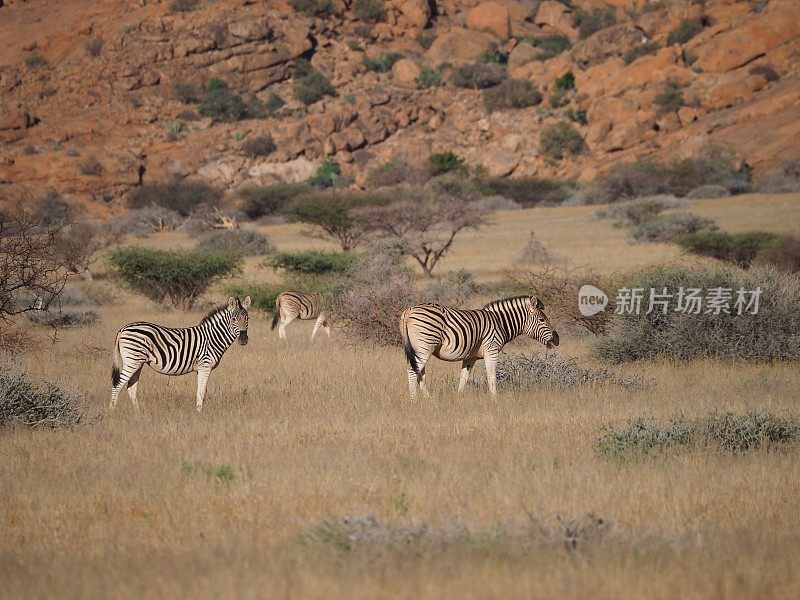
[(170, 503)]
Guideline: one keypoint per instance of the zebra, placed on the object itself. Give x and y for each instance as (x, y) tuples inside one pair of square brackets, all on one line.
[(469, 335), (291, 305), (177, 351)]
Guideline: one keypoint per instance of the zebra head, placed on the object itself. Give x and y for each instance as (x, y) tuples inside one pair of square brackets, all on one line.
[(537, 325), (239, 319)]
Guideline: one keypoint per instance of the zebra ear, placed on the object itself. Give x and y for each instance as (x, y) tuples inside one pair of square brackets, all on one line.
[(539, 304), (232, 302), (246, 303)]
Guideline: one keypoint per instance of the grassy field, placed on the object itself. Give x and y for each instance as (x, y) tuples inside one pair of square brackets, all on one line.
[(464, 497)]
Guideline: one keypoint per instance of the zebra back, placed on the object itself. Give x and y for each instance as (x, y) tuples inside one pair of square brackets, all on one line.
[(301, 305)]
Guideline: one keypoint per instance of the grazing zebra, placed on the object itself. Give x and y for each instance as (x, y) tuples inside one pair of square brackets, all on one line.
[(177, 351), (293, 305), (469, 335)]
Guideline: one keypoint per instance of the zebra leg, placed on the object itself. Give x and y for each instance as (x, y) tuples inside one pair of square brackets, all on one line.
[(490, 361), (285, 320), (202, 381), (412, 383), (320, 321), (423, 385), (126, 373), (133, 382), (466, 367)]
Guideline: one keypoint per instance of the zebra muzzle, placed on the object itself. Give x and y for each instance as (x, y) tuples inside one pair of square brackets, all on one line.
[(553, 342), (243, 339)]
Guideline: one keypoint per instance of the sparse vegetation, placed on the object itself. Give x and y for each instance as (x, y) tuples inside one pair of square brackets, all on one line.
[(561, 140), (312, 87), (671, 99), (444, 162), (396, 172), (171, 277), (565, 82), (551, 45), (738, 248), (91, 166), (94, 46), (261, 145), (242, 242), (182, 196), (259, 201), (185, 92), (511, 94), (687, 29), (383, 62), (551, 370), (429, 77), (370, 11), (478, 76), (667, 228), (425, 40), (222, 104), (327, 175), (182, 6), (312, 8), (530, 191), (34, 61), (639, 50), (588, 23)]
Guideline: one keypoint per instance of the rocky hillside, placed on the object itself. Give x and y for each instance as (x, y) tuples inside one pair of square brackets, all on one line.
[(99, 95)]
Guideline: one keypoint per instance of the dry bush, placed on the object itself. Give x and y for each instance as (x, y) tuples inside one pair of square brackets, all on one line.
[(668, 228), (91, 166), (706, 192), (396, 172), (496, 202), (534, 253), (558, 288), (260, 200), (560, 140), (771, 334), (59, 318), (182, 196), (94, 46), (635, 212), (79, 245), (211, 218), (454, 289), (51, 210), (44, 404), (530, 191), (244, 242), (784, 254), (144, 221), (511, 94), (552, 370), (478, 76)]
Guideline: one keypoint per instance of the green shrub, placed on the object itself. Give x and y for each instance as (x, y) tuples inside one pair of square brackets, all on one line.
[(667, 228), (36, 404), (714, 165), (444, 162), (429, 77), (312, 262), (327, 174), (771, 334), (312, 87), (566, 81), (185, 92), (181, 6), (493, 55), (551, 45), (425, 40), (588, 23), (243, 242), (478, 76), (638, 51), (34, 61), (258, 201), (274, 103), (784, 254), (551, 370), (312, 8), (738, 248), (182, 196), (560, 140), (755, 429), (558, 98), (687, 29), (511, 94), (670, 100), (221, 104), (262, 295), (530, 191), (576, 116), (639, 210), (261, 145), (371, 11), (173, 277), (396, 172), (642, 436), (383, 62)]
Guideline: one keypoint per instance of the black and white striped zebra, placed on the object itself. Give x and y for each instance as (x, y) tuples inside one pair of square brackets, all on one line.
[(177, 351), (469, 335), (291, 305)]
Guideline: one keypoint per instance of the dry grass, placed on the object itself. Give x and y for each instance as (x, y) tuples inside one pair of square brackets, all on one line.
[(220, 504)]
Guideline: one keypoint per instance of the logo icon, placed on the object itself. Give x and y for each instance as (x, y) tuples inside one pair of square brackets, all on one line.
[(591, 300)]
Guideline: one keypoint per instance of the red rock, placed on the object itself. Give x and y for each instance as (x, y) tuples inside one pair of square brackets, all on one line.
[(490, 17), (457, 47), (405, 72)]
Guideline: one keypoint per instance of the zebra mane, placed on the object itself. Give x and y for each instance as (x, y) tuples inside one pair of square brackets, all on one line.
[(215, 312), (502, 301)]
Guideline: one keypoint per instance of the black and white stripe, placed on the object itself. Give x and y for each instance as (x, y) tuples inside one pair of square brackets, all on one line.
[(291, 305), (469, 335), (177, 351)]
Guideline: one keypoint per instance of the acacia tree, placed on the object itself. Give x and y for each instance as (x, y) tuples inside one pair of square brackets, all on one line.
[(33, 269), (335, 214), (427, 227)]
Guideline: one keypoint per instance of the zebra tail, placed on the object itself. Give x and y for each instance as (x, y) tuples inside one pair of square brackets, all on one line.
[(277, 316), (115, 376), (411, 355)]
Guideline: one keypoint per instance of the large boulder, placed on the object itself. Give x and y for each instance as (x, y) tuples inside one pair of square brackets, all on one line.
[(490, 17), (780, 23), (522, 54), (293, 171), (414, 13), (458, 47), (556, 15), (606, 43), (405, 72)]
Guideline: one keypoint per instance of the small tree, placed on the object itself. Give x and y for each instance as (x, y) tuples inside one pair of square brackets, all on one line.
[(172, 277), (182, 196), (32, 269), (331, 212), (427, 227), (79, 246)]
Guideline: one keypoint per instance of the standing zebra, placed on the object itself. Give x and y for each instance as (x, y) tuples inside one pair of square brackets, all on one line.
[(177, 351), (293, 305), (469, 335)]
